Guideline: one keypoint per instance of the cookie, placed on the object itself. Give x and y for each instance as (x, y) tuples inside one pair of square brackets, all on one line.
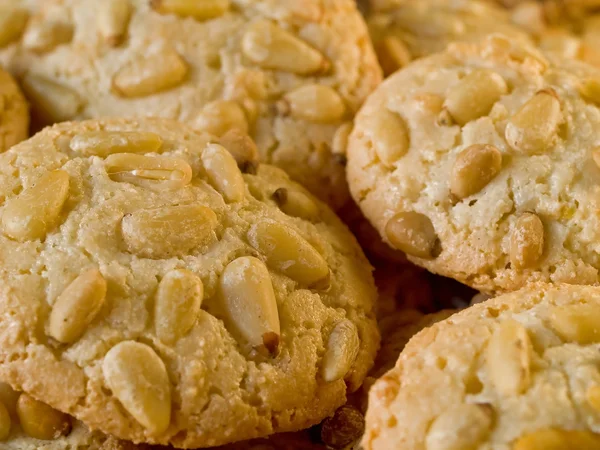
[(157, 294), (289, 73), (517, 372), (404, 30), (480, 163), (14, 113)]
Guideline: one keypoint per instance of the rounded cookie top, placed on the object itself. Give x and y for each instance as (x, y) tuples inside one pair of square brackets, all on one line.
[(517, 372), (403, 30), (290, 73), (14, 113), (482, 164), (158, 294)]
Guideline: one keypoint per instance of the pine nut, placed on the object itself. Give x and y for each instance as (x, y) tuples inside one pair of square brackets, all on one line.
[(341, 351), (77, 306), (169, 231), (475, 95), (590, 90), (148, 171), (314, 103), (104, 143), (220, 116), (295, 203), (178, 300), (388, 134), (37, 209), (557, 439), (288, 252), (461, 427), (393, 54), (113, 20), (576, 323), (271, 47), (199, 10), (250, 301), (527, 241), (412, 233), (242, 148), (57, 103), (474, 168), (138, 378), (12, 23), (40, 421), (223, 173), (534, 126), (509, 358), (339, 144), (43, 36), (150, 75)]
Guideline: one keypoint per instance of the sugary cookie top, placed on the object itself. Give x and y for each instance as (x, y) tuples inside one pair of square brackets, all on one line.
[(14, 113), (403, 30), (519, 372), (482, 164), (157, 293), (291, 73)]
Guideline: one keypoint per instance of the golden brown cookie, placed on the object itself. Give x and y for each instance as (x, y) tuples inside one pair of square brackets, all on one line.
[(158, 294)]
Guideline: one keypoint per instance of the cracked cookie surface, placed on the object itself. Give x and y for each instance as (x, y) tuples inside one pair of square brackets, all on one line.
[(517, 372), (289, 72), (481, 163), (158, 294), (14, 113)]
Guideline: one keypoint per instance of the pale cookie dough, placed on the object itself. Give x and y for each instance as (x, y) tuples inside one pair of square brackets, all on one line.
[(291, 73), (482, 164), (157, 294), (404, 30), (14, 113), (518, 372)]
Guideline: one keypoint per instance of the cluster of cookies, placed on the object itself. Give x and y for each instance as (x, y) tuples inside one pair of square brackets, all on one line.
[(187, 239)]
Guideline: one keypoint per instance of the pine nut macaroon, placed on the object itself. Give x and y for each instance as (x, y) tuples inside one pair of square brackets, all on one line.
[(405, 30), (28, 424), (157, 293), (518, 372), (482, 164), (289, 73), (14, 112)]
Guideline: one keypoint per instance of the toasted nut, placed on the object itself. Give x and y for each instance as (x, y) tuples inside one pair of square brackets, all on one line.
[(43, 36), (199, 10), (9, 397), (220, 116), (345, 427), (590, 89), (557, 439), (340, 139), (341, 351), (475, 95), (36, 210), (413, 233), (4, 422), (223, 173), (250, 301), (168, 231), (178, 300), (576, 323), (138, 378), (388, 134), (509, 358), (149, 75), (113, 20), (288, 252), (77, 306), (55, 102), (592, 395), (295, 203), (104, 143), (271, 47), (40, 421), (533, 127), (461, 427), (314, 103), (148, 171), (560, 42), (393, 54), (527, 241), (12, 23), (474, 168), (242, 148)]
